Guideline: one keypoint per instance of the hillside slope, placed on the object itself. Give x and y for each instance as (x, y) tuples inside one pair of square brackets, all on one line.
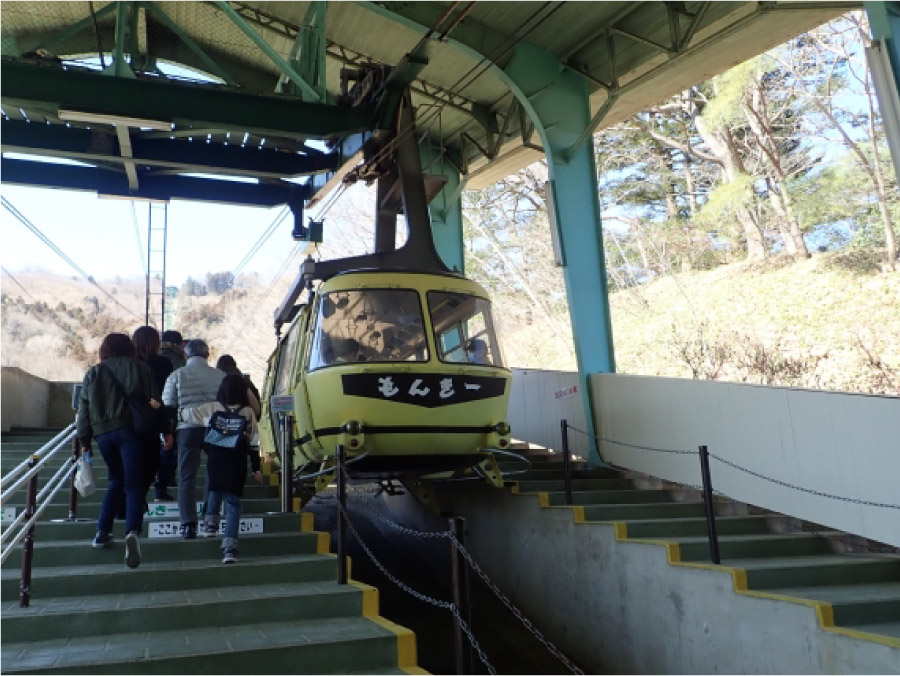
[(829, 322)]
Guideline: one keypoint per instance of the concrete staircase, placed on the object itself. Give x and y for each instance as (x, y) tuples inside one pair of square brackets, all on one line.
[(277, 611), (853, 585)]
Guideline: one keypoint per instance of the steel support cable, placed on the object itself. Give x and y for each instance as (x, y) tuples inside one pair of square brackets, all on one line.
[(733, 465), (446, 605), (512, 41), (9, 274), (46, 240), (551, 648), (263, 238)]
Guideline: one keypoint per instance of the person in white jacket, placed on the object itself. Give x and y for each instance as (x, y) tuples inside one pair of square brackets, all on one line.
[(194, 384)]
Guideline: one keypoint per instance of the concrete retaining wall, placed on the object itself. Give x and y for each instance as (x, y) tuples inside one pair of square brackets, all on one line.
[(619, 607), (29, 401)]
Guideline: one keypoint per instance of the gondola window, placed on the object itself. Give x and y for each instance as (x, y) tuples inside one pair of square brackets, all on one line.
[(463, 329), (368, 325)]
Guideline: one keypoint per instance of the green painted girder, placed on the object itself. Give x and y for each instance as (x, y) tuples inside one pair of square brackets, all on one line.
[(91, 145), (165, 187), (205, 106), (446, 209)]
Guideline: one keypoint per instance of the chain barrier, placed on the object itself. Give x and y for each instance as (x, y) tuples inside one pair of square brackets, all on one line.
[(643, 448), (856, 501), (729, 463), (551, 648), (446, 605)]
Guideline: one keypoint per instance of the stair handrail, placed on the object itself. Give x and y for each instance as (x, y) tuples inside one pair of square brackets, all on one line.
[(55, 442), (23, 522)]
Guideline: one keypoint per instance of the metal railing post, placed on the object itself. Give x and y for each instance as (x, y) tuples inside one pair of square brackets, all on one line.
[(460, 579), (28, 542), (710, 506), (73, 494), (287, 470), (342, 506), (567, 459)]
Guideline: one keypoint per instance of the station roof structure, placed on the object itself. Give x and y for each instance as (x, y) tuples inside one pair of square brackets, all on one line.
[(278, 82)]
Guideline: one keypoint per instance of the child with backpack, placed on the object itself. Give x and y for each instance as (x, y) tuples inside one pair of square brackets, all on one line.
[(231, 437)]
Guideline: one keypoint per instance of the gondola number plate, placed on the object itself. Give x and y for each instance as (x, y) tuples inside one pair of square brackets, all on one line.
[(281, 404), (172, 529)]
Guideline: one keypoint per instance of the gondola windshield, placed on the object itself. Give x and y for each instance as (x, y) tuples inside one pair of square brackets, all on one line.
[(463, 329), (368, 325)]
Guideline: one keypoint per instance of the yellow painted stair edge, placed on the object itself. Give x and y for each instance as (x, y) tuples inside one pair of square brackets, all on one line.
[(824, 610), (406, 639)]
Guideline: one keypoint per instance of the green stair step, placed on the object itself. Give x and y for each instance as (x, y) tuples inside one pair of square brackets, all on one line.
[(755, 546), (659, 510), (85, 528), (60, 510), (52, 618), (673, 528), (115, 578), (328, 646), (550, 485), (612, 497), (776, 573), (883, 628), (868, 612), (48, 554)]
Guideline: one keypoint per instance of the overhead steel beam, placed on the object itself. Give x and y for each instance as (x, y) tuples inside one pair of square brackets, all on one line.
[(196, 105), (63, 35), (266, 48), (214, 67), (115, 184), (93, 145)]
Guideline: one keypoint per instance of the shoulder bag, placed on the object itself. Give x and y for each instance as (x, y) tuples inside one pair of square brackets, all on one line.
[(144, 419)]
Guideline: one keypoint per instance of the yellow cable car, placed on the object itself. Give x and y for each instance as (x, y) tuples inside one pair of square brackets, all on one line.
[(402, 368)]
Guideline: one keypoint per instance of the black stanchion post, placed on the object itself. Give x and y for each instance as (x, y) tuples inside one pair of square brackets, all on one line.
[(28, 542), (460, 574), (710, 506), (73, 494), (567, 459), (287, 459), (342, 506)]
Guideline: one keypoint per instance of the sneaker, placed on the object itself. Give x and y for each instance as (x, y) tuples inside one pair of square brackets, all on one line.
[(189, 531), (102, 539), (208, 530), (230, 555), (165, 497), (132, 550)]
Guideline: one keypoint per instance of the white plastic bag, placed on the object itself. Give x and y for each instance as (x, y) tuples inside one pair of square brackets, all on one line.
[(84, 476)]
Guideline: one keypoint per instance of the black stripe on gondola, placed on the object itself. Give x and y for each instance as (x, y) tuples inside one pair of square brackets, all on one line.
[(402, 429)]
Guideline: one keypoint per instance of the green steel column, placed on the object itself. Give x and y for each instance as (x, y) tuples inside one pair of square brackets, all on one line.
[(557, 102), (446, 209), (884, 20)]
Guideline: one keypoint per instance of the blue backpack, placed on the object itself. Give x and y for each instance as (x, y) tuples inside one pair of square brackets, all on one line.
[(226, 430)]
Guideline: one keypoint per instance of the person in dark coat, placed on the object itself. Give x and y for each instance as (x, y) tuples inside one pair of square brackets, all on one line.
[(161, 460), (172, 349), (227, 363), (104, 415)]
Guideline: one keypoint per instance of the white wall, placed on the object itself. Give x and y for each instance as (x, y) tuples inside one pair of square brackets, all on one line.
[(842, 444), (539, 400), (832, 442)]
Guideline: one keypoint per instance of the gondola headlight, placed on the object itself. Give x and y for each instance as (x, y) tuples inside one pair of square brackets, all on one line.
[(502, 428), (353, 427)]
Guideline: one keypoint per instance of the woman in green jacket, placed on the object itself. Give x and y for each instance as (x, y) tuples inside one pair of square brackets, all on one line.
[(103, 414)]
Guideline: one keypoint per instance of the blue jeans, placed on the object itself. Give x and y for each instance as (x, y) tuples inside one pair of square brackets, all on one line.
[(232, 515), (123, 452)]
